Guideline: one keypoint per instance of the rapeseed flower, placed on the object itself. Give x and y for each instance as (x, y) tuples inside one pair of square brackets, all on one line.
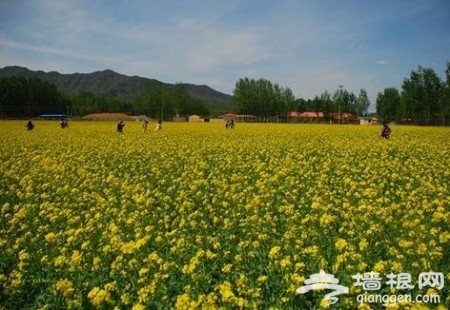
[(220, 219), (98, 296)]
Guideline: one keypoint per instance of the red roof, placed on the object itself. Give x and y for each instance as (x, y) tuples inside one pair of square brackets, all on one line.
[(306, 114), (229, 115), (344, 115), (238, 115), (312, 114)]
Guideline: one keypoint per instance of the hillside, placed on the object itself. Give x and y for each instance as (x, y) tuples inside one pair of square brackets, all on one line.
[(111, 84)]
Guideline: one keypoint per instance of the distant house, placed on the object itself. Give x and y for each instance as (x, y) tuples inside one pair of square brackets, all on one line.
[(52, 116), (228, 116), (106, 117), (320, 116), (368, 120), (239, 117), (306, 116), (180, 118), (195, 118), (344, 117), (311, 114), (139, 118), (198, 119), (246, 117)]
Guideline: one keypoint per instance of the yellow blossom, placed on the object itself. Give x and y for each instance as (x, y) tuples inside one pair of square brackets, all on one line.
[(340, 244), (99, 296)]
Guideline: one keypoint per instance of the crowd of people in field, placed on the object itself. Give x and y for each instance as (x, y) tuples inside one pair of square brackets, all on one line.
[(385, 132), (64, 123), (121, 125)]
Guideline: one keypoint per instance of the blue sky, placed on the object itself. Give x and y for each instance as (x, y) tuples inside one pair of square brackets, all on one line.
[(306, 45)]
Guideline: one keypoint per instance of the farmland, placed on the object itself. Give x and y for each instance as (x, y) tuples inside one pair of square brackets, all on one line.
[(197, 216)]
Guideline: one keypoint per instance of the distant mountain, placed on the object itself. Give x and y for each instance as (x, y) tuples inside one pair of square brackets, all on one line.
[(111, 84)]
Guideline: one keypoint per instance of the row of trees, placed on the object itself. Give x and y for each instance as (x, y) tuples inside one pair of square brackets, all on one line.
[(339, 101), (30, 97), (262, 98), (424, 99), (265, 99), (87, 103), (159, 102), (20, 96)]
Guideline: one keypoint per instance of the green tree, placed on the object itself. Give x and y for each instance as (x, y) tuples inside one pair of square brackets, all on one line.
[(326, 105), (184, 104), (388, 104), (421, 95), (245, 97), (155, 102), (444, 104), (198, 107), (344, 101), (181, 99), (87, 102), (262, 98), (362, 103), (300, 105), (287, 101), (21, 96)]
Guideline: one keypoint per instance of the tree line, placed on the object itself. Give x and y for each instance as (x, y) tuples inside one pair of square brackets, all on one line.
[(265, 99), (261, 98), (30, 97), (423, 99), (159, 102), (21, 96)]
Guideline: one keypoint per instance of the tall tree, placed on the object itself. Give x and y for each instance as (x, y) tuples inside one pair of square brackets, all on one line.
[(180, 99), (21, 96), (300, 104), (287, 101), (155, 102), (421, 94), (326, 105), (444, 104), (262, 98), (362, 103), (344, 101), (388, 104), (87, 102)]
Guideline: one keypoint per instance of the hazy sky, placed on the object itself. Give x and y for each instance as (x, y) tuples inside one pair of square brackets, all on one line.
[(307, 45)]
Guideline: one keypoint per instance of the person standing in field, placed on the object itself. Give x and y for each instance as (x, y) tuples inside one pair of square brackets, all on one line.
[(64, 123), (229, 124), (29, 125), (158, 125), (385, 131), (145, 124), (120, 126)]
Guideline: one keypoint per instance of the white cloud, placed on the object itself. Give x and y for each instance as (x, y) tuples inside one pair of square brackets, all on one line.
[(15, 45)]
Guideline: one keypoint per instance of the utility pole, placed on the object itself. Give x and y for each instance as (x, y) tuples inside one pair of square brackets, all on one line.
[(339, 103)]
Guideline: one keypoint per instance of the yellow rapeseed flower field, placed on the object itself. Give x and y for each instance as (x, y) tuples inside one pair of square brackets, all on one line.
[(199, 217)]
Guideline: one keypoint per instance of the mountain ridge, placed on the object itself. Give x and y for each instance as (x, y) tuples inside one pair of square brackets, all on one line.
[(109, 83)]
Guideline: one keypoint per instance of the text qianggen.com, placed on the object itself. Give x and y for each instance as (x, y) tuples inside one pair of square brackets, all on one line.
[(391, 300)]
